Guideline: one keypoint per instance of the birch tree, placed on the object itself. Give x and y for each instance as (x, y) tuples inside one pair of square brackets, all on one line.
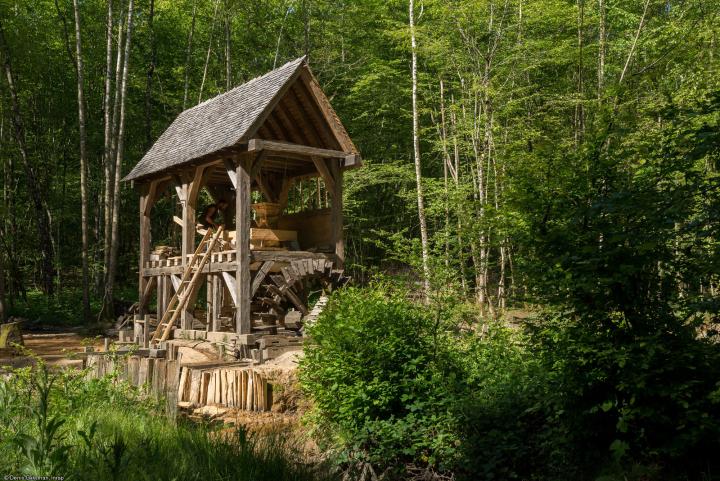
[(416, 155), (119, 154), (83, 164)]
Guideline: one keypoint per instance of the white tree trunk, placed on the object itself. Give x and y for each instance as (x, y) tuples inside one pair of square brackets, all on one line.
[(416, 150), (113, 148), (601, 48), (118, 162), (107, 155), (83, 165), (188, 56)]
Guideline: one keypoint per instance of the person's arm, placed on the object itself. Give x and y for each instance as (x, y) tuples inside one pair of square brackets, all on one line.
[(209, 216)]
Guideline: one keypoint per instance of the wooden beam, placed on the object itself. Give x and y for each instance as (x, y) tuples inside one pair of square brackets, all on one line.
[(301, 118), (230, 169), (243, 323), (191, 189), (257, 163), (328, 112), (296, 135), (290, 148), (147, 294), (279, 131), (285, 192), (271, 106), (305, 98), (231, 284), (336, 213), (260, 276), (217, 303), (292, 110), (147, 200), (265, 188), (327, 176)]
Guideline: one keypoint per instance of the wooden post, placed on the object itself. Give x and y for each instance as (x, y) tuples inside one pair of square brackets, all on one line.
[(190, 189), (146, 331), (242, 274), (147, 199), (336, 214), (217, 305), (209, 301)]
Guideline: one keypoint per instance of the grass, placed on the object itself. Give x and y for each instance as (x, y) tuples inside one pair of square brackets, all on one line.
[(61, 424)]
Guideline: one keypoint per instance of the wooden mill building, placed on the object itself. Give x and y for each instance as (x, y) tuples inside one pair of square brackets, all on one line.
[(254, 146)]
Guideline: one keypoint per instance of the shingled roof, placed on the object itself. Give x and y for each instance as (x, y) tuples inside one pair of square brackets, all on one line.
[(217, 123)]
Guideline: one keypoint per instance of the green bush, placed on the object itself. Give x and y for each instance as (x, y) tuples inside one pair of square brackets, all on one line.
[(381, 384), (394, 385)]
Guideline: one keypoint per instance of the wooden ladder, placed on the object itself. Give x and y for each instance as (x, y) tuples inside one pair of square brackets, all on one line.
[(190, 278)]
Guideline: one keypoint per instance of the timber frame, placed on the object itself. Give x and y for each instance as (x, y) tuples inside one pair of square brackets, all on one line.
[(261, 271)]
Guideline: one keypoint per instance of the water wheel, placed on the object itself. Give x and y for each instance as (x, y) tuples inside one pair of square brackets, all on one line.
[(281, 301)]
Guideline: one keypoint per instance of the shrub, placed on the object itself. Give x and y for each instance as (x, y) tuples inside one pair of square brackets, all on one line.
[(381, 383)]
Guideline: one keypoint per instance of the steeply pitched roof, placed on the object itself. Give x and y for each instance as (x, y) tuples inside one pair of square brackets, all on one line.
[(217, 123)]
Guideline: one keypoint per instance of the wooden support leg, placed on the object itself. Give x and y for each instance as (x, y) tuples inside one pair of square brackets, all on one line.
[(242, 274), (336, 214), (209, 298), (146, 331), (218, 290)]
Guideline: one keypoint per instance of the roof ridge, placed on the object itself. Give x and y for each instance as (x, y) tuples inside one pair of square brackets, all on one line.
[(299, 60)]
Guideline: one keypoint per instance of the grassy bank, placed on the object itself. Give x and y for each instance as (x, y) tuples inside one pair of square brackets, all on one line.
[(61, 424)]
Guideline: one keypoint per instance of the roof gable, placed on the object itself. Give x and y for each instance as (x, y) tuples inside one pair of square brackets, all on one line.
[(218, 123)]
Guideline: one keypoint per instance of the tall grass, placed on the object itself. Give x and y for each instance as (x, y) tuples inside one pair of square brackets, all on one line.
[(60, 424)]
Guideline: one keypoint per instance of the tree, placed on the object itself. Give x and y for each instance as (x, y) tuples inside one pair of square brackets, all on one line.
[(416, 155), (119, 155), (83, 166)]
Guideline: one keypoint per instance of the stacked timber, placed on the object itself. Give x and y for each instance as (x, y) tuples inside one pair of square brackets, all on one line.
[(234, 386), (272, 346)]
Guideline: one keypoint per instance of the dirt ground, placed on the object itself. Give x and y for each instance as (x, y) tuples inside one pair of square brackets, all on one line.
[(56, 349)]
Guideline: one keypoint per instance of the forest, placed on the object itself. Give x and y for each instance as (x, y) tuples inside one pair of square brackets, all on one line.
[(534, 236)]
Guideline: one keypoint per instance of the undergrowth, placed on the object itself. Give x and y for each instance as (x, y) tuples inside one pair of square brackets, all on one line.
[(62, 424)]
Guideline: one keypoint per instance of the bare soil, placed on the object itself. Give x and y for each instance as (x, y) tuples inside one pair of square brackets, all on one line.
[(57, 349)]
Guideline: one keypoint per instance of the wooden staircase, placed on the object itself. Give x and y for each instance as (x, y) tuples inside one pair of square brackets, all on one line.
[(190, 278)]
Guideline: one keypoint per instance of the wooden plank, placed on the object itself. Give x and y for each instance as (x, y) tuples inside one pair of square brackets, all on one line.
[(278, 235)]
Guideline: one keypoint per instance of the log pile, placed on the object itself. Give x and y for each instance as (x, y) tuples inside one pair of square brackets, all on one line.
[(217, 384), (238, 387)]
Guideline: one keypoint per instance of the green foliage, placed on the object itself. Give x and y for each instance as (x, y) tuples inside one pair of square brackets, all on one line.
[(379, 382), (59, 310), (642, 398), (398, 385), (62, 424), (392, 384)]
